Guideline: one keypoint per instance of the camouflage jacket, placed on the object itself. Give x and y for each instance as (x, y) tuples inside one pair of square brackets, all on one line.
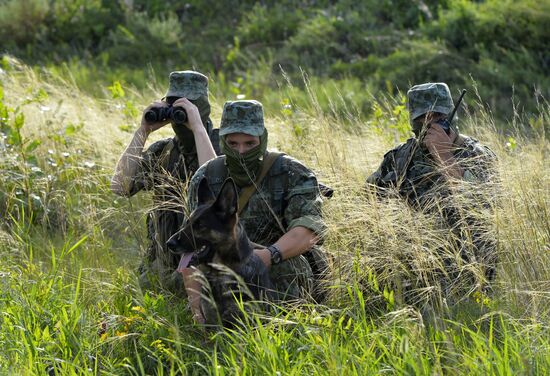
[(410, 170), (287, 197), (464, 207), (166, 171)]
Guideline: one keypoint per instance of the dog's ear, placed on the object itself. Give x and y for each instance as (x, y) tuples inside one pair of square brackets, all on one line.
[(204, 194), (227, 202)]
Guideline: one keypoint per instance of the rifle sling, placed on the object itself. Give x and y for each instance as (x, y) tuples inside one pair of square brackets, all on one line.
[(248, 191)]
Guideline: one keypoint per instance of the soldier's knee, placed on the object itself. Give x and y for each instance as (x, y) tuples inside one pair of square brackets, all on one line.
[(292, 278)]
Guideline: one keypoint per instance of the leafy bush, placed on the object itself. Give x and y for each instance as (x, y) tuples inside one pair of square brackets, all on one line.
[(499, 45), (69, 297), (502, 45), (21, 22)]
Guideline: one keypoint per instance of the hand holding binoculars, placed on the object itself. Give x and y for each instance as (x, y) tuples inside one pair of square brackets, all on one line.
[(157, 114)]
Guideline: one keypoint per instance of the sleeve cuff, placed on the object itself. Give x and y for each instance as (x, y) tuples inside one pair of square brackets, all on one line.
[(313, 223)]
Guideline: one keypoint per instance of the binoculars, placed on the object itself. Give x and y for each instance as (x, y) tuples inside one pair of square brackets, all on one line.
[(175, 114)]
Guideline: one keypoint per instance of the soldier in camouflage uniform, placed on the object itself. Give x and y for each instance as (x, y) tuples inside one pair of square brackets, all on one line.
[(283, 215), (434, 168), (165, 169)]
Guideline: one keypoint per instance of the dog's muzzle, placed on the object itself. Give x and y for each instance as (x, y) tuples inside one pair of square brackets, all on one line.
[(194, 258), (185, 260)]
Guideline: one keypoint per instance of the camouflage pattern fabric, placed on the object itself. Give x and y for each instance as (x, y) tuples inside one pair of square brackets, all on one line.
[(422, 184), (242, 117), (187, 84), (287, 197), (165, 170), (422, 177), (429, 97), (292, 279)]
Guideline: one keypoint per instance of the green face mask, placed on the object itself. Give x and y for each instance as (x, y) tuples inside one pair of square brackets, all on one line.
[(184, 134), (244, 168)]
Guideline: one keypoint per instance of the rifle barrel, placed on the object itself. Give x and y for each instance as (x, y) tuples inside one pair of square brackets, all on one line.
[(456, 106)]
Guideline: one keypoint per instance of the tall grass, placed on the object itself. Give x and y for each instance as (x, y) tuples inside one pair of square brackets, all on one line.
[(68, 250)]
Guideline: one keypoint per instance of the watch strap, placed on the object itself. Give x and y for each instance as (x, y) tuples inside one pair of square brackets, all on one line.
[(276, 255)]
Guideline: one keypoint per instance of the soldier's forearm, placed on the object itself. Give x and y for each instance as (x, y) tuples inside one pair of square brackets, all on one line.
[(296, 241), (205, 151), (193, 288), (128, 163)]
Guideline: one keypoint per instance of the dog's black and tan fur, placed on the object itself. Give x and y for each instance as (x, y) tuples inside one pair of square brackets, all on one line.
[(222, 252)]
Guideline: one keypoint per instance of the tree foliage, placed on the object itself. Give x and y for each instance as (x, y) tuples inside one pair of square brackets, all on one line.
[(502, 46)]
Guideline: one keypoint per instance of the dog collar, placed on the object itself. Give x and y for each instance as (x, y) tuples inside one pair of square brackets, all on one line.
[(276, 256)]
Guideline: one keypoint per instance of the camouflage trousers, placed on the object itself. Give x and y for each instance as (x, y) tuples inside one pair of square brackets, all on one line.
[(301, 277)]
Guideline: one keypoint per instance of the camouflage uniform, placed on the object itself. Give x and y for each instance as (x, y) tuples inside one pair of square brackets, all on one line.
[(287, 197), (410, 171), (165, 169)]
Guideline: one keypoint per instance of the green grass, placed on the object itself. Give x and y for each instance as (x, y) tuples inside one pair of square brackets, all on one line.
[(69, 299)]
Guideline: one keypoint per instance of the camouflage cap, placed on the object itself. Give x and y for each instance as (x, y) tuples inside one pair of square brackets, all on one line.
[(242, 117), (429, 97), (187, 84)]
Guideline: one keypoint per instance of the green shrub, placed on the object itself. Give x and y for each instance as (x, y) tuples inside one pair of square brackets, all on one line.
[(391, 44), (21, 22), (70, 302)]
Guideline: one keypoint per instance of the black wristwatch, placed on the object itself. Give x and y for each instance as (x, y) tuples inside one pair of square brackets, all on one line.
[(276, 256)]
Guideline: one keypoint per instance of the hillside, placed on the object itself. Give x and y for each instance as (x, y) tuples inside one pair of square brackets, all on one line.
[(69, 248), (363, 50)]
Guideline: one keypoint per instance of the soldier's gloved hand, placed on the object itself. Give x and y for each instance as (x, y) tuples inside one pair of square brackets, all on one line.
[(194, 122), (153, 126)]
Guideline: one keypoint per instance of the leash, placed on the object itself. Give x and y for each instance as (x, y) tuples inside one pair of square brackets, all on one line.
[(247, 192)]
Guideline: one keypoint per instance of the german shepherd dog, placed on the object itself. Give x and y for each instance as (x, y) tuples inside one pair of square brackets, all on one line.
[(213, 240)]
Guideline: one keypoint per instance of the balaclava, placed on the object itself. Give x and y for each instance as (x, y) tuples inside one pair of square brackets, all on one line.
[(193, 86), (243, 117), (244, 168)]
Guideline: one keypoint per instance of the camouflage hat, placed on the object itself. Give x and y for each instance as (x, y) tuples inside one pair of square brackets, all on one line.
[(429, 97), (242, 117), (188, 84)]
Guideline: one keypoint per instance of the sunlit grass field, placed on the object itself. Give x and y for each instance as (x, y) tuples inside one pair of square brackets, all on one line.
[(69, 248)]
